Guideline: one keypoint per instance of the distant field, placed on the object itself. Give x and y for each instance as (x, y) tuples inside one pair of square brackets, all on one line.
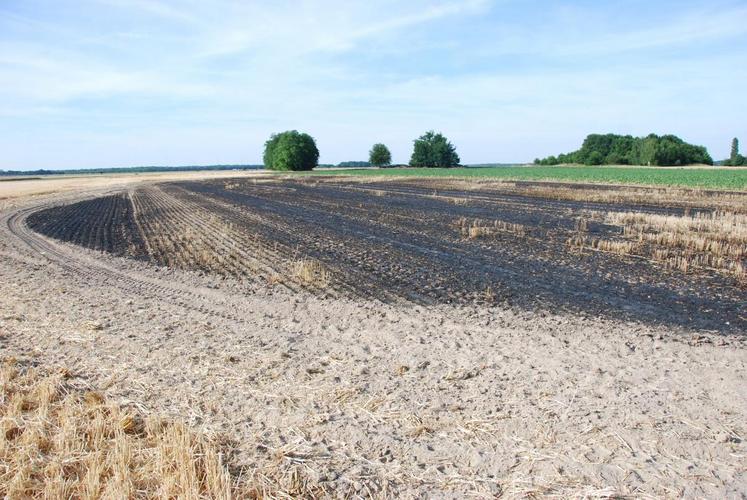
[(11, 179), (711, 178)]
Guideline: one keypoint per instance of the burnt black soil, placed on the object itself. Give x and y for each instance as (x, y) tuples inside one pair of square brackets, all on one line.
[(401, 241), (106, 224)]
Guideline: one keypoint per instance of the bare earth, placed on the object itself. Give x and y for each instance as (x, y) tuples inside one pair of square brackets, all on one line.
[(369, 399)]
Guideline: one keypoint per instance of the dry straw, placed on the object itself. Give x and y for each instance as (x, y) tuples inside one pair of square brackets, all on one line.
[(482, 229), (58, 441), (311, 273), (713, 240)]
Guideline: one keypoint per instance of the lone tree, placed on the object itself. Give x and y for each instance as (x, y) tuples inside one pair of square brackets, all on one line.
[(379, 156), (291, 150), (434, 150), (734, 157)]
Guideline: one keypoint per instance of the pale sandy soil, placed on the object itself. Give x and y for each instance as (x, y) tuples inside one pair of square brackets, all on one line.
[(368, 399), (45, 185)]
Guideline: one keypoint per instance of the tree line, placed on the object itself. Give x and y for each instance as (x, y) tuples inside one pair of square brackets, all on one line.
[(612, 149), (127, 170), (293, 150)]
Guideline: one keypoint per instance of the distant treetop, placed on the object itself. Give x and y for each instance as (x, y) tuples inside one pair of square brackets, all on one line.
[(291, 150), (433, 150), (380, 156), (735, 159), (611, 149)]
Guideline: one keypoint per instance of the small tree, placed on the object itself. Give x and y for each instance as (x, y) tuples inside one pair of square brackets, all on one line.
[(433, 150), (291, 150), (379, 156), (734, 157)]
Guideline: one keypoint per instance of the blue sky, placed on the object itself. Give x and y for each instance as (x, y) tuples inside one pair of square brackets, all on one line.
[(92, 83)]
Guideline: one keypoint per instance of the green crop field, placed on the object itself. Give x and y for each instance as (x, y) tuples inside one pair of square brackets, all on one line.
[(709, 178)]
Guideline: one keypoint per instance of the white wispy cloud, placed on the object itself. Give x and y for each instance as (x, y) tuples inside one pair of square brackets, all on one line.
[(52, 75), (179, 11), (322, 26), (682, 29)]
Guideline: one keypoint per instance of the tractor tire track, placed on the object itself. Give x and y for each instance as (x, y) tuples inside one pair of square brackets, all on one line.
[(97, 271)]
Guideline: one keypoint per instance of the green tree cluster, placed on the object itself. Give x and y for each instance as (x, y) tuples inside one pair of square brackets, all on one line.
[(611, 149), (434, 150), (380, 156), (735, 159), (291, 150)]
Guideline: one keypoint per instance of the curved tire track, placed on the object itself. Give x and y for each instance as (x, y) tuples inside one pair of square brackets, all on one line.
[(97, 271)]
